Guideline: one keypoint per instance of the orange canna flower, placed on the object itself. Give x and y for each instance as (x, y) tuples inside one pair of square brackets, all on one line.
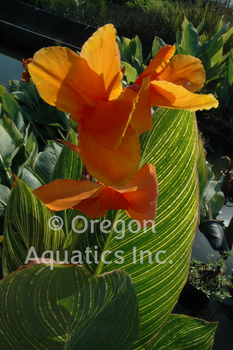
[(138, 198), (89, 87), (169, 84)]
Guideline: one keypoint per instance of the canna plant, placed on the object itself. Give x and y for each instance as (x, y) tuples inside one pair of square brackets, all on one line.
[(104, 272)]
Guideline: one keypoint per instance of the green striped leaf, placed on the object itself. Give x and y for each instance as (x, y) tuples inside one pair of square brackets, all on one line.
[(160, 274), (13, 111), (45, 162), (72, 171), (202, 170), (4, 195), (185, 333), (68, 157), (45, 312), (27, 225)]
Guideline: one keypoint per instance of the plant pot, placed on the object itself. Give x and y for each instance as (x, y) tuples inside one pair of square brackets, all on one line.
[(213, 231)]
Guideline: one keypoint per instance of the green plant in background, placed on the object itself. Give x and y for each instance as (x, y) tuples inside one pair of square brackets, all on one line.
[(143, 18), (210, 277), (26, 125), (213, 198)]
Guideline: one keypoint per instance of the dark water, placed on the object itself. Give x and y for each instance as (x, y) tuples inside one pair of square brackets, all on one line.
[(11, 68), (10, 65)]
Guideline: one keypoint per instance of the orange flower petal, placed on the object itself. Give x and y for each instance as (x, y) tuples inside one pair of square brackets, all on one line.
[(157, 64), (166, 94), (142, 190), (109, 120), (107, 166), (102, 54), (186, 71), (64, 194), (65, 80), (91, 207), (112, 199), (145, 219), (141, 118)]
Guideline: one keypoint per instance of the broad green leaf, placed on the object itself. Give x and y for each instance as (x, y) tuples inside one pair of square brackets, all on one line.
[(200, 26), (185, 333), (7, 149), (67, 308), (32, 148), (13, 111), (137, 65), (45, 162), (130, 72), (68, 172), (33, 93), (67, 156), (214, 72), (215, 52), (17, 85), (4, 195), (206, 45), (30, 102), (27, 225), (180, 50), (9, 126), (191, 41), (2, 92), (31, 179), (184, 24), (129, 48), (210, 190), (172, 146), (51, 116), (230, 71), (202, 170), (178, 39), (157, 45), (119, 42), (138, 52), (216, 203), (220, 24), (19, 161), (227, 35)]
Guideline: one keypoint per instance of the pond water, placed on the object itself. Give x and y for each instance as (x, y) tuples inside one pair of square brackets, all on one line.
[(11, 68), (10, 65)]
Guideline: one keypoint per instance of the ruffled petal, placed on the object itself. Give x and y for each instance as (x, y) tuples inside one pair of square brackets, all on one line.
[(91, 207), (157, 64), (142, 190), (63, 194), (145, 219), (113, 168), (185, 70), (102, 54), (65, 80), (109, 120), (166, 94), (112, 199), (141, 118)]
